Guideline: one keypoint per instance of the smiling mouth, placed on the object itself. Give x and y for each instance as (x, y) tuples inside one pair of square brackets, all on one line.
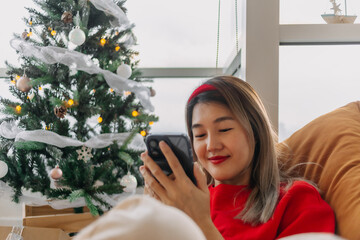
[(218, 159)]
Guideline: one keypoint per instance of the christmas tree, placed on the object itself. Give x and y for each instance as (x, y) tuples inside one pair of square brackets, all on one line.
[(74, 131)]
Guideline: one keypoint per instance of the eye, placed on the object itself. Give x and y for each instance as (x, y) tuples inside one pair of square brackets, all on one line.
[(225, 129), (199, 135)]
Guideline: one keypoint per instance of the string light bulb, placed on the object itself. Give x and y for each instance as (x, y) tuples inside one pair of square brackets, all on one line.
[(12, 80), (100, 119), (111, 90), (117, 48), (151, 123), (17, 77), (30, 33), (93, 90), (40, 88), (127, 93), (71, 102), (53, 32), (102, 41), (135, 113), (30, 22), (18, 108), (143, 133)]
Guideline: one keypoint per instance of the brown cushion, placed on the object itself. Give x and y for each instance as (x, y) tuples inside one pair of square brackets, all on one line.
[(332, 143)]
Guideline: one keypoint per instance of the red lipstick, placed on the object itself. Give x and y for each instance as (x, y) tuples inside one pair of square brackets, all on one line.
[(217, 159)]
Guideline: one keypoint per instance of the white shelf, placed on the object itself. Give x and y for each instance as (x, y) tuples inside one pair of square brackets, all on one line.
[(319, 34)]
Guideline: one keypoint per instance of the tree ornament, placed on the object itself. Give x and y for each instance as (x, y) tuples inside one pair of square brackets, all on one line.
[(152, 92), (77, 36), (3, 169), (25, 35), (60, 112), (84, 153), (129, 182), (67, 17), (56, 173), (124, 71), (23, 84)]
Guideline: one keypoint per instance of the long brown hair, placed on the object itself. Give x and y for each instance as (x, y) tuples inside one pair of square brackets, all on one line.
[(246, 105)]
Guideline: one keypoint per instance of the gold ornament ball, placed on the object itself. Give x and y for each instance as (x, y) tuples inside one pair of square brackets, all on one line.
[(67, 17), (23, 84), (56, 173)]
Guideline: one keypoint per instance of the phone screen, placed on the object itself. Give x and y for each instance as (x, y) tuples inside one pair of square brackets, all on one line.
[(180, 145)]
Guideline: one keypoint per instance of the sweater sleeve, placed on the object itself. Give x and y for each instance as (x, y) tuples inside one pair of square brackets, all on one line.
[(305, 211)]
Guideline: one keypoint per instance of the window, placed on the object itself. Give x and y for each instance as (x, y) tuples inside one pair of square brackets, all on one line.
[(169, 101), (315, 80)]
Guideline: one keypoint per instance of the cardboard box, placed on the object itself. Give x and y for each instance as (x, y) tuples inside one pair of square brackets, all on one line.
[(34, 233), (69, 223), (64, 219)]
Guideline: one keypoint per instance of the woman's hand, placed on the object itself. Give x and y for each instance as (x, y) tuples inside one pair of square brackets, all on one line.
[(178, 190)]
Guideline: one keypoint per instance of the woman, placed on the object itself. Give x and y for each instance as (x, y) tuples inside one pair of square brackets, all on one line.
[(241, 192)]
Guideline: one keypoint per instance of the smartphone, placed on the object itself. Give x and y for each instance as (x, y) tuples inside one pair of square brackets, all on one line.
[(179, 144)]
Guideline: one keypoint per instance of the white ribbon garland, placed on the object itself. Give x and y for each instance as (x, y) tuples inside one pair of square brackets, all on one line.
[(113, 10), (11, 131), (83, 62)]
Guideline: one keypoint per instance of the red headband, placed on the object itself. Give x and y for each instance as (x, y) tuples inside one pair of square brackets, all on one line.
[(201, 89)]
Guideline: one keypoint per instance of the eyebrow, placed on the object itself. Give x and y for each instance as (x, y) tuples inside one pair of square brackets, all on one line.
[(220, 119)]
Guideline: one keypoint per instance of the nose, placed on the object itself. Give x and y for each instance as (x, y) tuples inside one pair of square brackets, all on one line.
[(213, 143)]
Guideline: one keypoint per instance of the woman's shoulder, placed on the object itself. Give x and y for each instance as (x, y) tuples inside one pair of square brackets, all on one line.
[(300, 191)]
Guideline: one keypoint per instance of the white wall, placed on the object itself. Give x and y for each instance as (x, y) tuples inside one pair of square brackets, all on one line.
[(10, 212)]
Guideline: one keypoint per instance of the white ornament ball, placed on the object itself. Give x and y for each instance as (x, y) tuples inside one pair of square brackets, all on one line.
[(4, 169), (56, 173), (124, 71), (77, 36), (129, 182)]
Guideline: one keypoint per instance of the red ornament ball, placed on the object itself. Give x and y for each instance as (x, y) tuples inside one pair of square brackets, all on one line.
[(56, 173)]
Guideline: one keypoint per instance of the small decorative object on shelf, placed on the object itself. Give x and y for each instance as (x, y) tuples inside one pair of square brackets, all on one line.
[(337, 17)]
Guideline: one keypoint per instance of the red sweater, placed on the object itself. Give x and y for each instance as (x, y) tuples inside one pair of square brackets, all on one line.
[(299, 210)]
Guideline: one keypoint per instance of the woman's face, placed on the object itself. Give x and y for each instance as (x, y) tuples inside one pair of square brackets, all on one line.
[(221, 144)]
